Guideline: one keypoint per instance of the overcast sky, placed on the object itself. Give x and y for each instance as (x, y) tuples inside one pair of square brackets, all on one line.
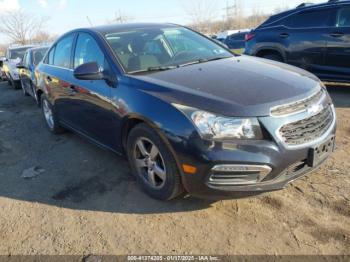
[(65, 15)]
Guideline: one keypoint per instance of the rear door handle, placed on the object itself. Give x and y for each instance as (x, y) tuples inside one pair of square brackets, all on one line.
[(72, 91), (337, 34), (284, 35)]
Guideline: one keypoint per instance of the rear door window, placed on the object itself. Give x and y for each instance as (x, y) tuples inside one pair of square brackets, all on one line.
[(307, 19), (343, 17), (62, 56), (50, 56)]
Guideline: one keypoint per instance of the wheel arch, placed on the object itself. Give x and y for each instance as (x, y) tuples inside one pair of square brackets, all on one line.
[(133, 120), (270, 50)]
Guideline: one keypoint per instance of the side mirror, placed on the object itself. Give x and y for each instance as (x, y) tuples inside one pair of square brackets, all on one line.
[(88, 71), (20, 66)]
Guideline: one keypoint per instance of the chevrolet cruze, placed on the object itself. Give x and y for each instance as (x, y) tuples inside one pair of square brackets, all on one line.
[(189, 115)]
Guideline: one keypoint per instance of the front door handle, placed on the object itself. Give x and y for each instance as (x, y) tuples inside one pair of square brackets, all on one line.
[(336, 34), (284, 35)]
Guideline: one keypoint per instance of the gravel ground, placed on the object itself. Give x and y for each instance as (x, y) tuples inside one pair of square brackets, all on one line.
[(83, 200)]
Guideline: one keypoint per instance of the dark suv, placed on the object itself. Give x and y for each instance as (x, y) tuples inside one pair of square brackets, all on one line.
[(187, 113), (313, 37)]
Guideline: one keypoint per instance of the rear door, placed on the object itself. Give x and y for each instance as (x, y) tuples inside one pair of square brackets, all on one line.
[(305, 36), (338, 47), (58, 78)]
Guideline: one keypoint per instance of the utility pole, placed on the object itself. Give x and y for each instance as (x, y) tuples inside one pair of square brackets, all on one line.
[(88, 18), (233, 10)]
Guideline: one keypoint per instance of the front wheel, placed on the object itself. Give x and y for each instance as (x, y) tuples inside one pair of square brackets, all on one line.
[(50, 116), (153, 164), (25, 93)]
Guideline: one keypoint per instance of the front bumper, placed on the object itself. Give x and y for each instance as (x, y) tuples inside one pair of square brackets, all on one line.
[(278, 165)]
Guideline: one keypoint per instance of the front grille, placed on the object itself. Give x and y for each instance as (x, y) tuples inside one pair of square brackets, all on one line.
[(298, 106), (308, 129)]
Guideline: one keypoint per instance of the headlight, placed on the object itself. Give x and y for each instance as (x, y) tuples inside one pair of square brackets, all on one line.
[(214, 127)]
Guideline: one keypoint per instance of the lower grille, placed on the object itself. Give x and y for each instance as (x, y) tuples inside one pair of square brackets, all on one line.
[(308, 129), (225, 175)]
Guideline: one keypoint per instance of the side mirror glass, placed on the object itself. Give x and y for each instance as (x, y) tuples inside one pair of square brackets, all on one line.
[(88, 71)]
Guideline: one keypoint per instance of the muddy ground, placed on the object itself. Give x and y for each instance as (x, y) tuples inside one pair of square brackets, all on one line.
[(86, 202)]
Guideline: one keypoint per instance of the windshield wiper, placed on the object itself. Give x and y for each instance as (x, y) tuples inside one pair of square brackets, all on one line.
[(199, 61), (154, 69), (160, 68)]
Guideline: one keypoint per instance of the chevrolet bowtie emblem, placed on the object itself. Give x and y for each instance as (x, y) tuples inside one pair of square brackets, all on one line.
[(314, 109)]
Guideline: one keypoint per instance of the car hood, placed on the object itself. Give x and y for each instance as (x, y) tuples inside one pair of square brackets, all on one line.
[(238, 86)]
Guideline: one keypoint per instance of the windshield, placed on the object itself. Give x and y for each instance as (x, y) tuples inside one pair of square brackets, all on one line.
[(38, 55), (17, 53), (146, 49)]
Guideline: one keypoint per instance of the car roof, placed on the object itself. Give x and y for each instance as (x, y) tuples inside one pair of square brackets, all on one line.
[(116, 28), (38, 48), (20, 47), (305, 6)]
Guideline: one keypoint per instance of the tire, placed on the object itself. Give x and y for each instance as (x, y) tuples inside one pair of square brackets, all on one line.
[(274, 57), (25, 93), (50, 117), (36, 97), (12, 83), (166, 186)]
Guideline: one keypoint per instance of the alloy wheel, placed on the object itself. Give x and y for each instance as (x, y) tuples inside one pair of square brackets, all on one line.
[(149, 163), (48, 114)]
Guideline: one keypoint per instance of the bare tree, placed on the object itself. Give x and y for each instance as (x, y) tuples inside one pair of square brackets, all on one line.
[(43, 37), (20, 27), (202, 13), (119, 18)]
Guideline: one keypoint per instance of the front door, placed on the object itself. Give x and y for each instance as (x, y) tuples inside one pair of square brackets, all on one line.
[(25, 72), (93, 112), (338, 47)]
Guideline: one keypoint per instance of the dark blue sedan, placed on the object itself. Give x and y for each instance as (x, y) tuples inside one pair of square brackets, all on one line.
[(189, 115), (27, 75)]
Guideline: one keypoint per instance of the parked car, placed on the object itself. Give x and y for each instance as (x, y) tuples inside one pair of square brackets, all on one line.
[(14, 56), (28, 76), (2, 72), (187, 113), (236, 41), (313, 37)]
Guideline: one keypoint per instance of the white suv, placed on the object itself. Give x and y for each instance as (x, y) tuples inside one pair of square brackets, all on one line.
[(14, 56)]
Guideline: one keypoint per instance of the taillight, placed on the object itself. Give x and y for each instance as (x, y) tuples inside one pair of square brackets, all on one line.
[(249, 36)]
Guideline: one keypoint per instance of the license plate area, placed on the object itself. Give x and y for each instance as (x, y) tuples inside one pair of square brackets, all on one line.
[(320, 152)]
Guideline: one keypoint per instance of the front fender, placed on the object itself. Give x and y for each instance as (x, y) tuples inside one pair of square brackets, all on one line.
[(176, 130)]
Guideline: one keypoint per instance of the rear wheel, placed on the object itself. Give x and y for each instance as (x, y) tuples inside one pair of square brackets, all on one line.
[(50, 116), (153, 164)]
